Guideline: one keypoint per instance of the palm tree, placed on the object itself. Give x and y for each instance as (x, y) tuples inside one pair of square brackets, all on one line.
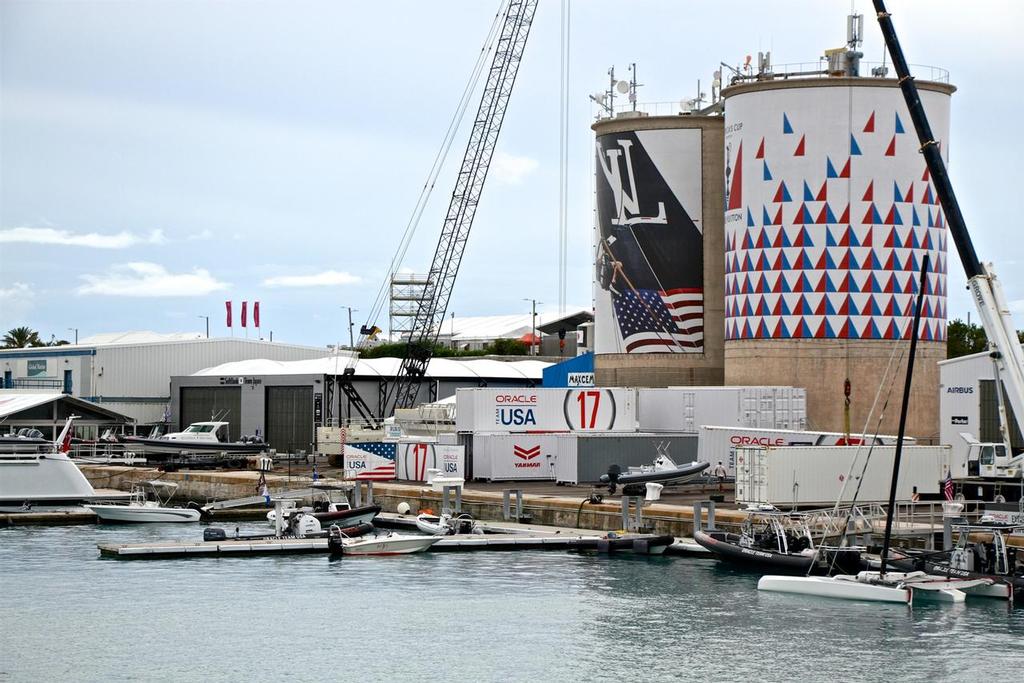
[(22, 337)]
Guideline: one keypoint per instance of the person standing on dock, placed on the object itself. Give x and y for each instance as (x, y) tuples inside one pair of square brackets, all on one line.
[(720, 473)]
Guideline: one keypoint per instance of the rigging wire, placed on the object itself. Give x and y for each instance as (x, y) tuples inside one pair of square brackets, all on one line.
[(563, 142), (435, 169)]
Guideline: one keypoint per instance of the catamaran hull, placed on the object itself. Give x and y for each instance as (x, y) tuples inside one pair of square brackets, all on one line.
[(830, 587), (724, 548), (135, 514)]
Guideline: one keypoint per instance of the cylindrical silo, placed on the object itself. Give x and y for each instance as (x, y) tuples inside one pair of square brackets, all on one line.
[(658, 251), (829, 209)]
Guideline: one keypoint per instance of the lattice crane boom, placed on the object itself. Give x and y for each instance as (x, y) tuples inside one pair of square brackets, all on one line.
[(476, 161)]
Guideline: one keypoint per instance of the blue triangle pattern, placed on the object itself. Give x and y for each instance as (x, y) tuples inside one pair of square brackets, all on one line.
[(830, 170), (854, 147), (767, 173), (808, 195), (899, 124), (896, 195), (750, 218), (786, 128)]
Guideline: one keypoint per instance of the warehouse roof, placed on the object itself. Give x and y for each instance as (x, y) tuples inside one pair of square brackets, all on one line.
[(447, 368), (504, 326), (14, 402)]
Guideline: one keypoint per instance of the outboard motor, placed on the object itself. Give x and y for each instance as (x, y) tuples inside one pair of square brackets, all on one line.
[(612, 478)]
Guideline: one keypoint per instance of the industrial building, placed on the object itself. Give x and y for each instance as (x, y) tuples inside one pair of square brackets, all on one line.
[(658, 275), (129, 373), (284, 401), (553, 334), (968, 404), (775, 237), (829, 213)]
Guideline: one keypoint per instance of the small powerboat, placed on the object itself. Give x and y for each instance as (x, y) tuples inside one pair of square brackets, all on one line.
[(331, 507), (447, 524), (384, 544), (664, 471), (198, 437), (140, 509)]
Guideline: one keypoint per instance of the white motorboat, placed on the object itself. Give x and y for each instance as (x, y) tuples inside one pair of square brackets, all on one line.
[(384, 544), (139, 509), (31, 481), (447, 524), (198, 437), (331, 505)]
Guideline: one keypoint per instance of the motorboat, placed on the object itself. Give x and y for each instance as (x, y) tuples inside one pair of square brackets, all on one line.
[(331, 506), (447, 524), (776, 541), (48, 479), (25, 440), (663, 471), (614, 542), (139, 509), (384, 544), (980, 552), (199, 437)]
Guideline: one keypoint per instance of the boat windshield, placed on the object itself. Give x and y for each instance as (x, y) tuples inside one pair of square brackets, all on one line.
[(200, 429)]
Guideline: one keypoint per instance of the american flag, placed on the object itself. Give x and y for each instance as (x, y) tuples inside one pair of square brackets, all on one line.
[(375, 461), (947, 486), (654, 321)]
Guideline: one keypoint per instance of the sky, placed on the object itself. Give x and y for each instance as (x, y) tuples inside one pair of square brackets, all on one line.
[(160, 157)]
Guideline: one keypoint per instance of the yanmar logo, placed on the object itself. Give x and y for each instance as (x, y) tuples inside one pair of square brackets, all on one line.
[(527, 455)]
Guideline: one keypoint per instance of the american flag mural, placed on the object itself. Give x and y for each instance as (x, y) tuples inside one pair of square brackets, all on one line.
[(649, 274), (659, 321), (827, 229), (374, 461)]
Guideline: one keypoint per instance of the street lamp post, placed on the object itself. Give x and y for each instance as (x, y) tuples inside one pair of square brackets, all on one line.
[(207, 319), (533, 327), (351, 337), (75, 330)]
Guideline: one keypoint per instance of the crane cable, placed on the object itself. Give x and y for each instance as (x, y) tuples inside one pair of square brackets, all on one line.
[(435, 169)]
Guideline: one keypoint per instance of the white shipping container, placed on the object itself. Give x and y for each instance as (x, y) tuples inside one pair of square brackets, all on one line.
[(685, 409), (414, 458), (511, 457), (814, 475), (718, 444), (514, 410)]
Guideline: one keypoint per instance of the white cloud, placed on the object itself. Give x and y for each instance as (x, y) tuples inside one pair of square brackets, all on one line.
[(511, 170), (328, 278), (204, 234), (143, 279), (17, 290), (94, 240)]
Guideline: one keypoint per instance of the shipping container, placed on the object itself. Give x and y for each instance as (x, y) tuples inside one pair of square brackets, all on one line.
[(512, 457), (685, 409), (583, 458), (718, 444), (813, 476), (414, 458), (511, 410)]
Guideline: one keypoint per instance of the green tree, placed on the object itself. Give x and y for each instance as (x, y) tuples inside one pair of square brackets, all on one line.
[(22, 337), (963, 339), (507, 347)]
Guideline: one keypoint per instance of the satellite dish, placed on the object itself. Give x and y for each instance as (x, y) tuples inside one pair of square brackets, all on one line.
[(622, 87), (685, 106)]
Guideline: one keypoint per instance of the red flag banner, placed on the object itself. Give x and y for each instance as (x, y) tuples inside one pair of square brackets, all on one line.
[(256, 313), (244, 304), (227, 306)]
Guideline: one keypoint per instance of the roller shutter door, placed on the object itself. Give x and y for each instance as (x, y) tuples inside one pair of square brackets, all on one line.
[(289, 418), (203, 404)]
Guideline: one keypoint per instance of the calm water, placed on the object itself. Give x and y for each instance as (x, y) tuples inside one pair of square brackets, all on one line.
[(538, 616)]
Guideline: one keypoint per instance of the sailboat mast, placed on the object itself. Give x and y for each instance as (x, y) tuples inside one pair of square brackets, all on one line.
[(903, 412)]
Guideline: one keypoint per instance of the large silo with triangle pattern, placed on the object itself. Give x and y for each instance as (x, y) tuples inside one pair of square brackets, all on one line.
[(829, 210)]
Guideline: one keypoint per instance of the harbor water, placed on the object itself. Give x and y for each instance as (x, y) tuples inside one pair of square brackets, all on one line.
[(484, 616)]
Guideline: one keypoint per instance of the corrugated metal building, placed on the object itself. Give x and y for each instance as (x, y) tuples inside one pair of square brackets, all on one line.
[(130, 373), (286, 401)]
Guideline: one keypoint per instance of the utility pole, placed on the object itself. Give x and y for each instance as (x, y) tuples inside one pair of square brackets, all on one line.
[(207, 319), (351, 338), (533, 326), (75, 330)]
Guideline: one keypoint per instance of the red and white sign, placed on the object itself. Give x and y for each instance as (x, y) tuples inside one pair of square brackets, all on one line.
[(508, 457)]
